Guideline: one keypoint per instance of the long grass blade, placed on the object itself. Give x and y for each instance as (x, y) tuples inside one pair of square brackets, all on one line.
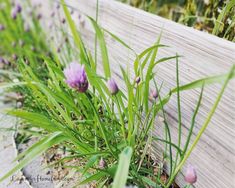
[(123, 168)]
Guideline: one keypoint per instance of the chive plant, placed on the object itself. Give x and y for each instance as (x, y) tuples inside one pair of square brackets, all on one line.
[(71, 105)]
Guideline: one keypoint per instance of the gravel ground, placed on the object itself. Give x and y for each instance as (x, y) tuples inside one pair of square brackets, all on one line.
[(8, 151)]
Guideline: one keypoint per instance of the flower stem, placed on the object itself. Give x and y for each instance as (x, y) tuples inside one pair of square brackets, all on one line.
[(101, 126), (121, 119)]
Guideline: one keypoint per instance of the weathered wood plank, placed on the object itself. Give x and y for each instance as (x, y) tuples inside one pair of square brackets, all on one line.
[(204, 55)]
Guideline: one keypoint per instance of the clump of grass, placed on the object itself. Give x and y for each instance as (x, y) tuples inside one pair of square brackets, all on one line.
[(107, 128)]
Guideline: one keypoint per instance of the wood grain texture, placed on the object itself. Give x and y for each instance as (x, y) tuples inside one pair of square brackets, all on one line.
[(203, 55)]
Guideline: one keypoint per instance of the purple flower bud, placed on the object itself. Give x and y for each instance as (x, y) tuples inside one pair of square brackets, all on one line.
[(2, 27), (18, 8), (13, 14), (76, 77), (112, 86), (191, 175), (137, 80), (39, 16), (102, 163), (154, 94), (2, 60), (63, 20)]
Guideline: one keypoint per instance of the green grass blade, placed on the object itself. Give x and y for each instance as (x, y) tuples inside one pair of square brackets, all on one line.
[(36, 119), (205, 81), (123, 168), (104, 52), (149, 75), (193, 121), (10, 85), (120, 41), (10, 73)]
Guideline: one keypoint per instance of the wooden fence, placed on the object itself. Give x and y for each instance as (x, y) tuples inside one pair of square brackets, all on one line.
[(203, 55)]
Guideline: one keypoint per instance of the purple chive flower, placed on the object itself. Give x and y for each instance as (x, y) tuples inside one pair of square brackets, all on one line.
[(76, 77), (18, 8), (191, 175), (137, 80), (112, 86), (154, 94), (2, 27)]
